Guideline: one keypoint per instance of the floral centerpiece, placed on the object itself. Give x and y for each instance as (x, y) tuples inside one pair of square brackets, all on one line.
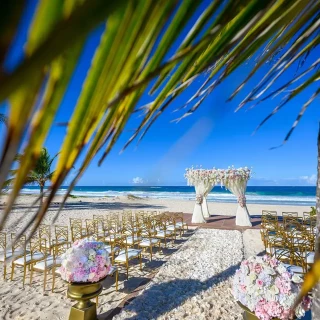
[(85, 261), (267, 288)]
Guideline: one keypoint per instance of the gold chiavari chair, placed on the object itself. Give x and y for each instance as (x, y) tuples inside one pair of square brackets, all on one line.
[(275, 242), (269, 224), (111, 232), (38, 252), (77, 232), (99, 223), (161, 223), (148, 240), (6, 253), (61, 234), (290, 216), (179, 221), (269, 220), (49, 263), (58, 250), (171, 225), (132, 233), (127, 254), (295, 261), (306, 217), (91, 228), (293, 224), (76, 222), (44, 232)]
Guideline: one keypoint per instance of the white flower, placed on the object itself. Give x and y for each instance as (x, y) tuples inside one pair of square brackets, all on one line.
[(299, 312), (92, 252), (296, 279), (281, 268)]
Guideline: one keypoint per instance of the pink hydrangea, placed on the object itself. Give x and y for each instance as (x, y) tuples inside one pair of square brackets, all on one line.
[(85, 261), (268, 288)]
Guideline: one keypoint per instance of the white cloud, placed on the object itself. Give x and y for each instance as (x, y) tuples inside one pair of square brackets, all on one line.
[(137, 180), (310, 179)]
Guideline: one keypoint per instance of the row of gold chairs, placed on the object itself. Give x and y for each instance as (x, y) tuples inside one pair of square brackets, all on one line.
[(34, 255), (290, 239), (127, 235), (130, 234)]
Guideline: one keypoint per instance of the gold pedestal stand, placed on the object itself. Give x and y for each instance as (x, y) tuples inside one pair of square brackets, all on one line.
[(84, 309)]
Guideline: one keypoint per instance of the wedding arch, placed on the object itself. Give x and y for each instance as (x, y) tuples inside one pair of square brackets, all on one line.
[(235, 180)]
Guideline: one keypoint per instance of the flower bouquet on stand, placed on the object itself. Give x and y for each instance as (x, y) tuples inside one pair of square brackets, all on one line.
[(84, 266), (266, 289)]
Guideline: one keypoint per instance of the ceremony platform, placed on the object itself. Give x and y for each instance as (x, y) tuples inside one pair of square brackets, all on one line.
[(223, 222)]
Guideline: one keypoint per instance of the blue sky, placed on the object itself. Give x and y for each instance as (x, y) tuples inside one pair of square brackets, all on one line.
[(214, 136)]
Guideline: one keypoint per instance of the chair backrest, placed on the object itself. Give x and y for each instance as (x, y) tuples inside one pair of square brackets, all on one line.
[(269, 213), (292, 223), (76, 232), (290, 214), (45, 232), (18, 244), (37, 245), (92, 228), (121, 242), (61, 233), (75, 221), (59, 249)]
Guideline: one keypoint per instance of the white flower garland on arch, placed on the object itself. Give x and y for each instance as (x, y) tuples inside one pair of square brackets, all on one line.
[(233, 179)]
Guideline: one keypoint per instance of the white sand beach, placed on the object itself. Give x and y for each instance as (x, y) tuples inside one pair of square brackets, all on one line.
[(223, 251), (85, 207)]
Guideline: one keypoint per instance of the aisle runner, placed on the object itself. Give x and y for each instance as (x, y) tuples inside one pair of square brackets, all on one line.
[(195, 283)]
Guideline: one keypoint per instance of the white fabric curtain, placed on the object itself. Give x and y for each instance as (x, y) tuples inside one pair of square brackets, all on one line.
[(205, 210), (199, 214), (238, 188)]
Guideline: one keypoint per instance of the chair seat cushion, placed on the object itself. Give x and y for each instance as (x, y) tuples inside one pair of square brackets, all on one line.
[(171, 228), (163, 234), (112, 270), (180, 224), (132, 253), (9, 254), (108, 248), (148, 242), (132, 240), (49, 262), (294, 268), (34, 257)]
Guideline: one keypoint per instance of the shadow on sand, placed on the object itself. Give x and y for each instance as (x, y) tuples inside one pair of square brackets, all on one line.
[(155, 296)]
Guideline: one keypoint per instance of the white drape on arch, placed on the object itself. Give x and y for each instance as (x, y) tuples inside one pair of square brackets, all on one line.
[(205, 209), (238, 187), (200, 211)]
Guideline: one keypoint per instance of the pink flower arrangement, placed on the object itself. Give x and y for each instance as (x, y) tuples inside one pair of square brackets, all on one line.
[(266, 287), (85, 261), (214, 176)]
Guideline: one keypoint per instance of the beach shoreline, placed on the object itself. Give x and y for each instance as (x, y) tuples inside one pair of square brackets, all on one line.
[(86, 207)]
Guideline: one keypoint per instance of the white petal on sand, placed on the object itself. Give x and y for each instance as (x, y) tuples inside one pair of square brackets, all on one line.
[(195, 283)]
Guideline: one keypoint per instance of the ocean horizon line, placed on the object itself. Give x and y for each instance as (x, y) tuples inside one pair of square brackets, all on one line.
[(281, 195)]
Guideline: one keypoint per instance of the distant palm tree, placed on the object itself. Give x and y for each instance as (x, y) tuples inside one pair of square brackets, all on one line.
[(40, 174)]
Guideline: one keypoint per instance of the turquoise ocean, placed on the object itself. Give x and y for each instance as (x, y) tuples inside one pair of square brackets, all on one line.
[(286, 195)]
